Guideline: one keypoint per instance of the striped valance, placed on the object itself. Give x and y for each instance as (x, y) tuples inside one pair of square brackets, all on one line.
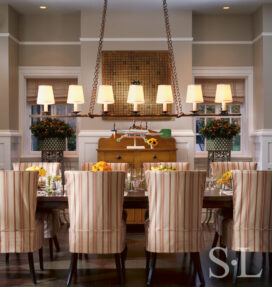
[(60, 88), (209, 89)]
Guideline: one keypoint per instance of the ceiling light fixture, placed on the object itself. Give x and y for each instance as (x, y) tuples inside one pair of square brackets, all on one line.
[(43, 7), (226, 7), (165, 95)]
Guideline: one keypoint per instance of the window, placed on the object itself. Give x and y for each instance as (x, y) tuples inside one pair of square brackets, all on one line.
[(60, 88), (209, 107)]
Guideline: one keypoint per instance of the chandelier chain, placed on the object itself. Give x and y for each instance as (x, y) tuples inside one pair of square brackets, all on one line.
[(174, 77), (98, 59)]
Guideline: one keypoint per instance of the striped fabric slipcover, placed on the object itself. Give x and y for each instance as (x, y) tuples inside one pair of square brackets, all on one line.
[(250, 229), (178, 165), (115, 166), (50, 220), (219, 168), (19, 230), (95, 210), (175, 206), (52, 168)]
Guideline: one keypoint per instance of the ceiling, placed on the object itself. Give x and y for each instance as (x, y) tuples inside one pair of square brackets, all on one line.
[(200, 6)]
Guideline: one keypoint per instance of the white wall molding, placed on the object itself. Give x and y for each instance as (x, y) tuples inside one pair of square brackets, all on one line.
[(50, 43), (37, 72), (9, 133), (263, 34), (88, 143), (222, 42)]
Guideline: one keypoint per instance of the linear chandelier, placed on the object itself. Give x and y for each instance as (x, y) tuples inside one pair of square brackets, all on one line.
[(166, 94)]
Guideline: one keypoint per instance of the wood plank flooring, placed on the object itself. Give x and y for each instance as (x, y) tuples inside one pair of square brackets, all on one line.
[(171, 270)]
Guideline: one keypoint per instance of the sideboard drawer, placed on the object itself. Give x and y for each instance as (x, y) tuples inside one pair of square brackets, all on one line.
[(155, 156), (112, 156)]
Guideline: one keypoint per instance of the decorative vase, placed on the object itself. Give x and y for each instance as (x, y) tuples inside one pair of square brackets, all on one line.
[(220, 144), (52, 144)]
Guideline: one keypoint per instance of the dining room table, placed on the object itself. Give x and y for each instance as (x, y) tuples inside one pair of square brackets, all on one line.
[(138, 199)]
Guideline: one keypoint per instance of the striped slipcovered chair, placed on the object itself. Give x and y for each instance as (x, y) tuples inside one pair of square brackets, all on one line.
[(20, 231), (115, 166), (182, 166), (250, 230), (50, 220), (218, 169), (174, 224), (95, 210)]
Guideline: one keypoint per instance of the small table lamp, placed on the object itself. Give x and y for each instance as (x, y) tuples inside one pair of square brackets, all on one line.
[(194, 96), (164, 96), (135, 96), (75, 96), (105, 96), (223, 96), (45, 96)]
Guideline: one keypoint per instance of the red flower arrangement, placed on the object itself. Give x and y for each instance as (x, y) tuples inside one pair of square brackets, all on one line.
[(219, 128), (51, 128)]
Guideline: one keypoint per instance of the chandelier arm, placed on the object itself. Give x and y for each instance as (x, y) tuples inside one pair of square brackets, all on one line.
[(174, 77), (98, 59)]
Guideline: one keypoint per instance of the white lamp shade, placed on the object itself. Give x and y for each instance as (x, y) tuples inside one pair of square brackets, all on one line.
[(105, 94), (45, 95), (75, 95), (223, 94), (164, 94), (135, 94), (194, 94)]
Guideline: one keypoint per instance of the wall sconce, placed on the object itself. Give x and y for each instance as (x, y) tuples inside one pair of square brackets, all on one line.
[(45, 97), (194, 96), (105, 96), (164, 96), (135, 96), (223, 96), (75, 96)]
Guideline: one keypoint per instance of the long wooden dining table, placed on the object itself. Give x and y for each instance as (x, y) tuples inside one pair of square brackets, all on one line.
[(139, 199)]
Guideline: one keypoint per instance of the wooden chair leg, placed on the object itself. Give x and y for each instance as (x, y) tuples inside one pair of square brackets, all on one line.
[(152, 266), (31, 267), (55, 239), (72, 269), (51, 248), (118, 267), (147, 256), (215, 239), (264, 259), (123, 259), (197, 266), (236, 267), (86, 256), (41, 258), (80, 256), (7, 258)]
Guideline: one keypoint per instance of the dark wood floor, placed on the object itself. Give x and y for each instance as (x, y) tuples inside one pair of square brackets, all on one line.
[(171, 270)]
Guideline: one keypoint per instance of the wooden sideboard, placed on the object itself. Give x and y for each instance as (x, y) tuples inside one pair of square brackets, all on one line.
[(110, 150)]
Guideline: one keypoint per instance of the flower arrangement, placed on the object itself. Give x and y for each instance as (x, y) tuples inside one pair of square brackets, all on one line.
[(219, 128), (152, 142), (41, 170), (51, 128), (101, 166), (225, 179), (164, 168)]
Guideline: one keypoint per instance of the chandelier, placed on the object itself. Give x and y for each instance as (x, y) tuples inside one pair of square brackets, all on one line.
[(166, 94)]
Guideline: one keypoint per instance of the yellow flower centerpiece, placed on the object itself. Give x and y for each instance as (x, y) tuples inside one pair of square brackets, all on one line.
[(101, 166), (152, 142), (164, 168), (41, 170), (225, 180)]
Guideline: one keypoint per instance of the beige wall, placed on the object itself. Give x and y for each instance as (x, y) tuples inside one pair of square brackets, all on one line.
[(3, 18), (222, 28)]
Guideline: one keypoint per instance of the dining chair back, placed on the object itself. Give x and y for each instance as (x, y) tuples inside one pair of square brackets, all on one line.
[(95, 208), (19, 230), (182, 166), (175, 208), (52, 168), (219, 168), (115, 166)]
